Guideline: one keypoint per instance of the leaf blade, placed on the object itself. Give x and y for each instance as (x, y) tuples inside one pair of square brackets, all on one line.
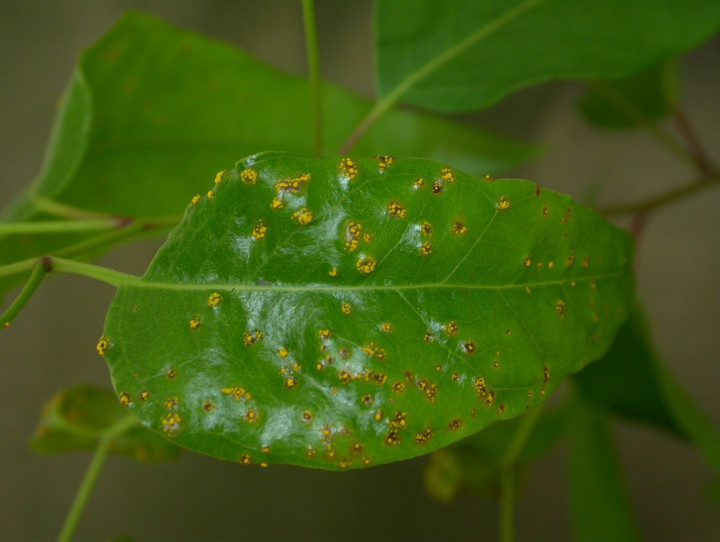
[(531, 41), (283, 327)]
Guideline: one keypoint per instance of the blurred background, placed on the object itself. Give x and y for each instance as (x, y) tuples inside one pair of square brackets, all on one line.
[(51, 344)]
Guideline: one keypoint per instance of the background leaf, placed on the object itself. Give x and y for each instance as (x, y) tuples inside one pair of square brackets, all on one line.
[(645, 97), (76, 419), (630, 381), (600, 506), (342, 312), (474, 463), (480, 51), (152, 109)]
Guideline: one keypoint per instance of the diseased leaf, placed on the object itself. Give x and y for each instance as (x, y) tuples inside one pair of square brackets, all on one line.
[(474, 463), (151, 110), (600, 506), (645, 97), (76, 419), (463, 56), (345, 312)]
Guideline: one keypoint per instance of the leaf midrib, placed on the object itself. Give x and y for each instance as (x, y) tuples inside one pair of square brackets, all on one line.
[(139, 282)]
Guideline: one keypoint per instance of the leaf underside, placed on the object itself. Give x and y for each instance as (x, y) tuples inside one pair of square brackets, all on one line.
[(341, 312)]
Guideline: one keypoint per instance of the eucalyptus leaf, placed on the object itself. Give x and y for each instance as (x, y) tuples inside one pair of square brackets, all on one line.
[(151, 109), (645, 97), (345, 312), (77, 418), (463, 56), (599, 502)]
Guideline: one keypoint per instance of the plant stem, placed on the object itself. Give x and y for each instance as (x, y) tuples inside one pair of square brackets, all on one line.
[(41, 267), (314, 69), (686, 130), (91, 475), (507, 505), (61, 210), (94, 243), (654, 203), (507, 468), (382, 105), (97, 272), (59, 226)]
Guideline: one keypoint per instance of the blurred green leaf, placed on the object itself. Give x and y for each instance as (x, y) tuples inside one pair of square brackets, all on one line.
[(626, 380), (645, 97), (76, 419), (630, 381), (463, 56), (151, 110), (600, 507), (344, 312), (474, 463)]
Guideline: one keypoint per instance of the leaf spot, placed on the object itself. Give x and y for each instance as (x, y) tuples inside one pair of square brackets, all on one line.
[(349, 168), (248, 176), (259, 231), (503, 204), (102, 345), (170, 423), (396, 210), (366, 264)]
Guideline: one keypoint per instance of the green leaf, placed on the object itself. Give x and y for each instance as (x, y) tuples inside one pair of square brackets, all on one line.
[(626, 380), (164, 105), (600, 506), (462, 56), (152, 109), (344, 312), (475, 463), (77, 418), (631, 381), (643, 98)]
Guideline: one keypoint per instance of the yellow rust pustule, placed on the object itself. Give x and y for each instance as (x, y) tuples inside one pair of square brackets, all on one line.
[(248, 176), (348, 167)]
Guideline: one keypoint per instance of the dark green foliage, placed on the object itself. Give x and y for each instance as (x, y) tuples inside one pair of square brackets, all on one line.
[(342, 312)]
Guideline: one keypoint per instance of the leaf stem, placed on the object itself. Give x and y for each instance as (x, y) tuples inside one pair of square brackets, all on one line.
[(385, 103), (507, 468), (686, 130), (671, 196), (94, 243), (314, 69), (81, 497), (59, 226), (62, 210), (42, 266), (507, 505), (97, 272)]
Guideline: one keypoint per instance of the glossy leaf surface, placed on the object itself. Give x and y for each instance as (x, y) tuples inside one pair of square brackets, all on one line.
[(345, 312), (77, 418), (463, 56)]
